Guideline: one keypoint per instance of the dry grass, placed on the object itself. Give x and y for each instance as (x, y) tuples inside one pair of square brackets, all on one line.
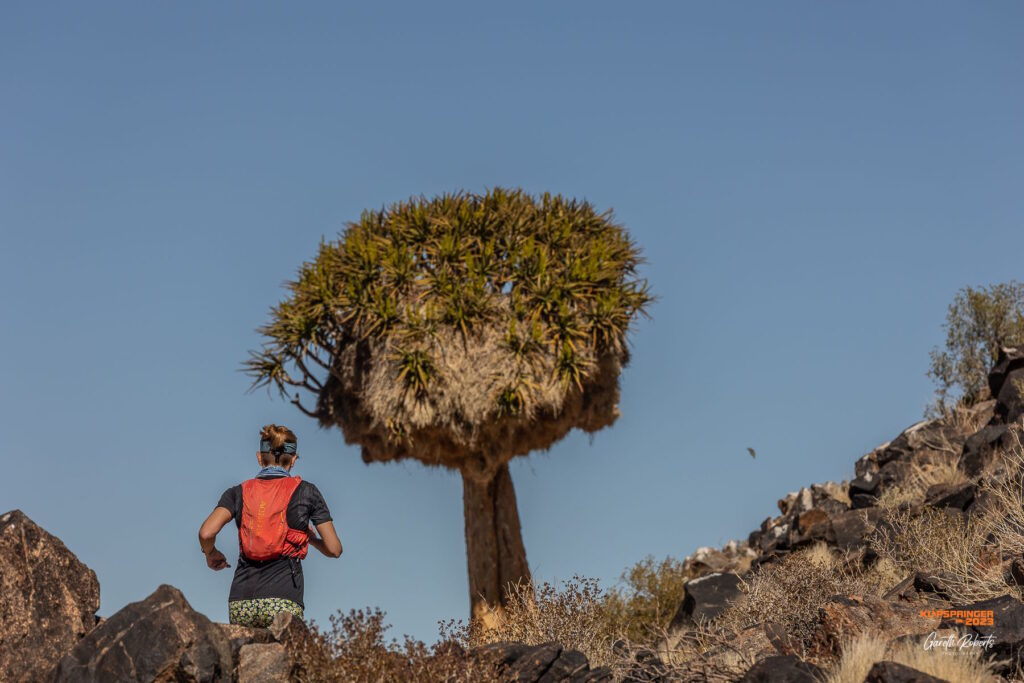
[(572, 615), (859, 655), (919, 478), (937, 542), (1004, 512)]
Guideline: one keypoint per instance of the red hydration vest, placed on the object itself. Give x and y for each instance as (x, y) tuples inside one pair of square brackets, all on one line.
[(264, 533)]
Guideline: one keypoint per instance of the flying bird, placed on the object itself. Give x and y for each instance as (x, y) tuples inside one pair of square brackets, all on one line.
[(751, 451)]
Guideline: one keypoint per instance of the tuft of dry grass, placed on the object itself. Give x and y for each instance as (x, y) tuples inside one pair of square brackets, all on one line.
[(1004, 511), (950, 545), (919, 478), (860, 654), (571, 614)]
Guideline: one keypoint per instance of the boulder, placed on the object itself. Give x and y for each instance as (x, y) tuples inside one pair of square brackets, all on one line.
[(891, 672), (264, 663), (1016, 572), (845, 617), (1010, 401), (240, 636), (1010, 358), (932, 587), (978, 448), (541, 664), (782, 669), (851, 528), (867, 483), (160, 638), (814, 525), (957, 496), (48, 599), (705, 598), (860, 501)]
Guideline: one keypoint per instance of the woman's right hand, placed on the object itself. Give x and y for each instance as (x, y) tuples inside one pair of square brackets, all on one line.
[(215, 560)]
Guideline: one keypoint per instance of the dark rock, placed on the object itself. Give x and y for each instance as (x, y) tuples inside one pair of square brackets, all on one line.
[(159, 638), (852, 527), (705, 598), (868, 483), (904, 590), (48, 599), (1017, 571), (957, 496), (892, 474), (843, 617), (533, 663), (1009, 359), (891, 672), (540, 663), (935, 582), (264, 662), (866, 464), (978, 448), (859, 501), (814, 525), (1010, 401), (782, 669), (570, 663)]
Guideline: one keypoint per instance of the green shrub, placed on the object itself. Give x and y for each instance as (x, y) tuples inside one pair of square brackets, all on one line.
[(978, 322)]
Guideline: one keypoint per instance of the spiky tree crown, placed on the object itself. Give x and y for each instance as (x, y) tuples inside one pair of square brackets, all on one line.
[(462, 330)]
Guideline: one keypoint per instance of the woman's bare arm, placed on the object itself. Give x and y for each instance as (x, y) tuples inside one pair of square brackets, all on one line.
[(208, 535), (328, 543)]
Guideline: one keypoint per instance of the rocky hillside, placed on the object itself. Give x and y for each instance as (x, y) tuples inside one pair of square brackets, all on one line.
[(932, 523), (912, 571)]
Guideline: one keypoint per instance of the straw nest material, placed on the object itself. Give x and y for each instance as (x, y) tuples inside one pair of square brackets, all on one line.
[(461, 331)]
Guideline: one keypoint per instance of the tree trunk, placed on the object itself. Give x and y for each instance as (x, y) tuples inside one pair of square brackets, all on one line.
[(494, 542)]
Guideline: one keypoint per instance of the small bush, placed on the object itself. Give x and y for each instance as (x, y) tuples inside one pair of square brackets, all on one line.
[(652, 594), (354, 650), (978, 322), (789, 592)]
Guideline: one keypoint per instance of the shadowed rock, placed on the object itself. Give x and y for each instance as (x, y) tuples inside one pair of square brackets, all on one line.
[(48, 599), (782, 669), (705, 598), (891, 672), (545, 663), (160, 638)]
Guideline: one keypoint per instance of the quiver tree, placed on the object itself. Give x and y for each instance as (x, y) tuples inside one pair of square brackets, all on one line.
[(462, 331)]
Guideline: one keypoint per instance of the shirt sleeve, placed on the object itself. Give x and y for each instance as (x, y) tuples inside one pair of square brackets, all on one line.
[(232, 500), (318, 512)]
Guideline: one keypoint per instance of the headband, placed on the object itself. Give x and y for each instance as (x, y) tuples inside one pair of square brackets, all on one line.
[(286, 447)]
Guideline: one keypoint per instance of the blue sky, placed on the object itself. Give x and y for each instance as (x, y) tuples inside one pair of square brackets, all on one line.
[(810, 182)]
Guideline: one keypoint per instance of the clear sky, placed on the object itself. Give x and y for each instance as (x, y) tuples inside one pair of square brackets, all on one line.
[(811, 183)]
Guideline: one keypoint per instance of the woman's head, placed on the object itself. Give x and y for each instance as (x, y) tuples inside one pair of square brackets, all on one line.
[(277, 446)]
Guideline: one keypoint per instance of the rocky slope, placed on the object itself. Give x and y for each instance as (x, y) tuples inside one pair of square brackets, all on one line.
[(844, 518), (48, 598)]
